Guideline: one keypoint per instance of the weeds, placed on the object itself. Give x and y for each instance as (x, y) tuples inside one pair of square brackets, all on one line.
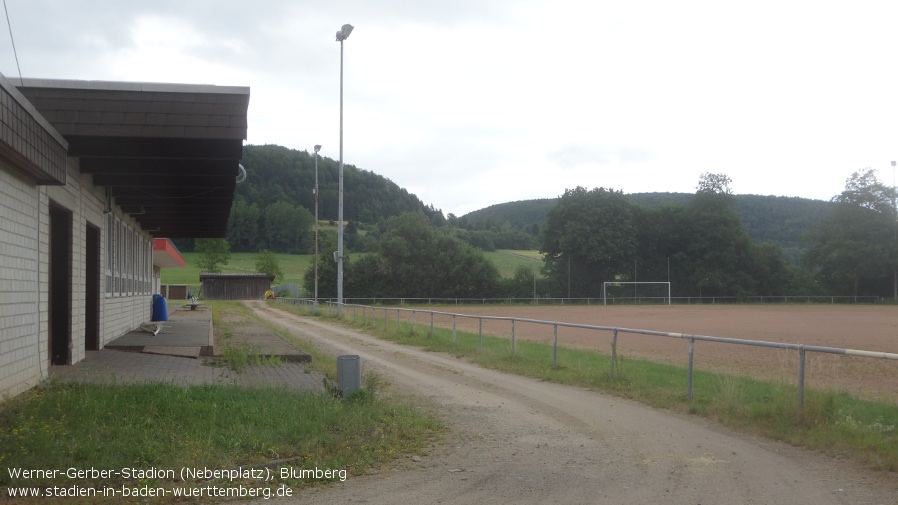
[(374, 383), (237, 357)]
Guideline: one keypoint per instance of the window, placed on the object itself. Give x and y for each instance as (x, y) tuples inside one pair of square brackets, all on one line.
[(129, 260), (110, 253), (119, 256)]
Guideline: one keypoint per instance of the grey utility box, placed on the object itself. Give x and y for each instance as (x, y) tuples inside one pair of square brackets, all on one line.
[(349, 373)]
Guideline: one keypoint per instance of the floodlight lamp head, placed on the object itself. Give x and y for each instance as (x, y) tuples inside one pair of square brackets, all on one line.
[(344, 32), (317, 147)]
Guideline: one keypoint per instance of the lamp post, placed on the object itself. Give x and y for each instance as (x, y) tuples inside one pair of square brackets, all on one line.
[(317, 148), (895, 237), (342, 35)]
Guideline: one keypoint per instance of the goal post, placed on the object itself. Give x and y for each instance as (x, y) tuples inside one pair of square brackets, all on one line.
[(663, 286)]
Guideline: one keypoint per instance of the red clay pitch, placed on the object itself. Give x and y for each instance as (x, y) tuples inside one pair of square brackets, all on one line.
[(863, 327)]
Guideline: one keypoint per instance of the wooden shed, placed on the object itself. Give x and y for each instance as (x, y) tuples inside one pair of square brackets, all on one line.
[(218, 286)]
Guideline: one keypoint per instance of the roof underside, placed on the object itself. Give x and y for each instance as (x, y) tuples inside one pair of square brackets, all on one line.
[(167, 153)]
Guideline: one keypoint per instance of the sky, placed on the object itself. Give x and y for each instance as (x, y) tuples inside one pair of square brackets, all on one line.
[(471, 103)]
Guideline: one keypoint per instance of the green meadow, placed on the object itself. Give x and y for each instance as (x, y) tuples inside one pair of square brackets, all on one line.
[(295, 266)]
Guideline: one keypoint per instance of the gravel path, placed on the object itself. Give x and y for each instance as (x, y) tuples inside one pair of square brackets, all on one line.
[(518, 440)]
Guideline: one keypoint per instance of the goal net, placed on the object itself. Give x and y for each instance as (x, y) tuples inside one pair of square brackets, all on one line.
[(636, 292)]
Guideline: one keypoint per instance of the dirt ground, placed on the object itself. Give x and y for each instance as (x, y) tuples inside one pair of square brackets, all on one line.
[(515, 440), (862, 327)]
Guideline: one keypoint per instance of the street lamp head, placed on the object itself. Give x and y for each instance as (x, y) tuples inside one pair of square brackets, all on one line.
[(317, 148), (344, 32)]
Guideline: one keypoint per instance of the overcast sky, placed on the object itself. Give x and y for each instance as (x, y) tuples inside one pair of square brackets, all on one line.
[(470, 103)]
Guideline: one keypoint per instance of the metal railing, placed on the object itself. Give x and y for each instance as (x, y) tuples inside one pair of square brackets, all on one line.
[(802, 349), (649, 300)]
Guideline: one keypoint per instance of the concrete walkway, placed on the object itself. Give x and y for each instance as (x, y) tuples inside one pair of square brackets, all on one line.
[(181, 353), (186, 333)]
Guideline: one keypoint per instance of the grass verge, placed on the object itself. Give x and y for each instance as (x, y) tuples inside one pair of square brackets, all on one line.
[(831, 422), (155, 428)]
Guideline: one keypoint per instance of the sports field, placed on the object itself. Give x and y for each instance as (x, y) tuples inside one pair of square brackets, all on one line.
[(863, 327)]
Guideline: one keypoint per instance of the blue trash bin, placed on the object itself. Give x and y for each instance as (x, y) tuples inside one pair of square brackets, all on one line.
[(160, 308)]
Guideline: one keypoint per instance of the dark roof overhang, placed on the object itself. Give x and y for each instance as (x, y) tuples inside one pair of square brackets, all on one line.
[(167, 153), (28, 142)]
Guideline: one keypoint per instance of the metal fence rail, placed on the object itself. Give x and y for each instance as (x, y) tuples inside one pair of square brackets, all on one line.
[(413, 320), (682, 300)]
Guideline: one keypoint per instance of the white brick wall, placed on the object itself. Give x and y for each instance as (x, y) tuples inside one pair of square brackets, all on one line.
[(24, 263), (19, 310)]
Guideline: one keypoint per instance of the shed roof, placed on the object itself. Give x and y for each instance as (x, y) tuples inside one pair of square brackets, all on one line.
[(219, 275), (168, 153)]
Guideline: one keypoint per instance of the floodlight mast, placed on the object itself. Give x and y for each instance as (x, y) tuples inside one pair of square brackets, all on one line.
[(895, 271), (317, 148), (342, 35)]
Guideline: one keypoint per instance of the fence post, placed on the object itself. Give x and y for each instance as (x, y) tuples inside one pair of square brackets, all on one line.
[(555, 344), (480, 334), (512, 337), (453, 328), (431, 324), (691, 362), (801, 358), (414, 320), (613, 353)]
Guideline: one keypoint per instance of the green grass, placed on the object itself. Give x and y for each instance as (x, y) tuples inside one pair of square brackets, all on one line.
[(293, 265), (163, 426), (529, 254), (507, 261), (239, 355), (114, 426), (296, 265), (830, 422)]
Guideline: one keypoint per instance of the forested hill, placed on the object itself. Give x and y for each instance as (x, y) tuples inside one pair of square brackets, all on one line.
[(784, 220), (278, 174)]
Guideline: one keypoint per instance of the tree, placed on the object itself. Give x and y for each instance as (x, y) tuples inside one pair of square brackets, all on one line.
[(243, 226), (327, 268), (854, 250), (714, 183), (214, 252), (864, 190), (522, 284), (287, 227), (590, 238), (267, 263), (716, 253), (413, 259)]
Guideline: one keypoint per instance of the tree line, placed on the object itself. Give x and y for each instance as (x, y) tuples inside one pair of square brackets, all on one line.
[(594, 236), (705, 244), (274, 208), (703, 248), (780, 219)]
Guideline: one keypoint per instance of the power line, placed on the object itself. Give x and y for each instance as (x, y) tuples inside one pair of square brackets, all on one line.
[(9, 25)]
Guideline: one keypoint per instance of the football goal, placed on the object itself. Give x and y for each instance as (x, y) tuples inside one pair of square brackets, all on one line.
[(637, 292)]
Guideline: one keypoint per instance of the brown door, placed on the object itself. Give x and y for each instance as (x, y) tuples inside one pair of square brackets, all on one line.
[(60, 295)]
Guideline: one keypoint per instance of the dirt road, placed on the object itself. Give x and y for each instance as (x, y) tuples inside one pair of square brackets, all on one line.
[(517, 440)]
